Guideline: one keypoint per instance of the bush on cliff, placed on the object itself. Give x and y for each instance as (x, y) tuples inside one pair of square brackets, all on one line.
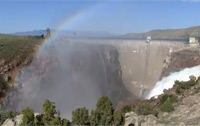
[(126, 109), (167, 106), (144, 109), (172, 98), (182, 86), (166, 103)]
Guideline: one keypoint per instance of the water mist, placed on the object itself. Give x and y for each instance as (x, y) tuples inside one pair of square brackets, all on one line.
[(168, 82)]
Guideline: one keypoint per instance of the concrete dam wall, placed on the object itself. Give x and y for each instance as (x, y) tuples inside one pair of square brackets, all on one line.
[(141, 63)]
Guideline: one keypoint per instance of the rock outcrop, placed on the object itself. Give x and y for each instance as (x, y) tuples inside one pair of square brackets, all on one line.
[(13, 122), (186, 112), (178, 60)]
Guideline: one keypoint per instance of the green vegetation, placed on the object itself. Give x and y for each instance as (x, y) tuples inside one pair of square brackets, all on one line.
[(39, 120), (103, 114), (3, 87), (80, 116), (167, 106), (144, 109), (49, 116), (118, 118), (7, 115), (15, 50), (49, 111), (166, 103), (20, 47), (183, 85), (126, 109), (28, 117)]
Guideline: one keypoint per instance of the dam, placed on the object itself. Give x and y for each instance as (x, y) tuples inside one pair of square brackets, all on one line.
[(72, 71), (141, 63)]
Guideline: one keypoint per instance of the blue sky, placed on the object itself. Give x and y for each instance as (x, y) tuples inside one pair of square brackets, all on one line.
[(112, 16)]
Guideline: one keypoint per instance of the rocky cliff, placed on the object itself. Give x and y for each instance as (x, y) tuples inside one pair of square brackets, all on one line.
[(186, 110), (180, 59)]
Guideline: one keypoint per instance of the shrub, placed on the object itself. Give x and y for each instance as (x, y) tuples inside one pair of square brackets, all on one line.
[(167, 106), (155, 112), (197, 90), (144, 109), (126, 109), (182, 86), (118, 118), (179, 90), (172, 98)]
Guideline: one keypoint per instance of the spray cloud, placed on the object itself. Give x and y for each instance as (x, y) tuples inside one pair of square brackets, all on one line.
[(168, 82)]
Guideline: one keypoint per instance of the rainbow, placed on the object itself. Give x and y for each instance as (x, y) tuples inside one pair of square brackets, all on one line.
[(65, 23), (77, 15)]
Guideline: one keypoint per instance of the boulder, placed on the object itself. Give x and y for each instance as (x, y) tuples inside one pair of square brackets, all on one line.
[(13, 122), (9, 122), (192, 77), (131, 118)]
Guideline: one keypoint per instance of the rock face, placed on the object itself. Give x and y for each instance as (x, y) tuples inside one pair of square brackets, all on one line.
[(181, 59), (13, 122), (186, 114)]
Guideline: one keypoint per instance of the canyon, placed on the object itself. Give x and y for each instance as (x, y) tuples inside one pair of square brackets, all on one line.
[(76, 72)]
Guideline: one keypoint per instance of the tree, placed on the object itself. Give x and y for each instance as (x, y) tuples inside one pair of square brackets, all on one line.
[(65, 122), (80, 116), (94, 118), (28, 117), (118, 118), (56, 121), (49, 111), (103, 115), (39, 121)]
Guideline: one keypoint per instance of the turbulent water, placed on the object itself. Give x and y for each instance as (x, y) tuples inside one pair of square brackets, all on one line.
[(168, 82)]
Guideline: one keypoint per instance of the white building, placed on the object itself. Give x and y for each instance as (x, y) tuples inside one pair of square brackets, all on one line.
[(148, 39), (193, 41)]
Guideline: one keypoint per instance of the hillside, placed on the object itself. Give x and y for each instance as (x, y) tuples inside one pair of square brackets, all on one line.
[(167, 33), (15, 53)]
